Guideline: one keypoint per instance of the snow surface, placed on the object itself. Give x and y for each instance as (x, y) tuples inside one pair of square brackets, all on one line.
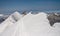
[(31, 25)]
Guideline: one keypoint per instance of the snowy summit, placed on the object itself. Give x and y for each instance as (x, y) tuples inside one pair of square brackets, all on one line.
[(29, 25)]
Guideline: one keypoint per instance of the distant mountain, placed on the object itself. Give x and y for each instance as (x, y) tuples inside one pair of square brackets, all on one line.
[(1, 14), (3, 17)]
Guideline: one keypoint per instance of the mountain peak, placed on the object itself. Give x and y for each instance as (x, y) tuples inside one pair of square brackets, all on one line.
[(16, 12), (16, 15)]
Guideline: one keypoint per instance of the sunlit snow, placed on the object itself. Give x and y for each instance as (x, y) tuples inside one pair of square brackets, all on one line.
[(29, 25)]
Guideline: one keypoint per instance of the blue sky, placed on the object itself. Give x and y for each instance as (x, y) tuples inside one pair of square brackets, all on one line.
[(8, 6)]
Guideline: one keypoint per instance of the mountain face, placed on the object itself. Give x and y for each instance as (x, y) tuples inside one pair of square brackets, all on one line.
[(29, 25), (16, 16), (13, 18)]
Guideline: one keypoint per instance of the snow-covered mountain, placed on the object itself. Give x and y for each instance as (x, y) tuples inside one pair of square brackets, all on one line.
[(13, 18), (3, 17), (1, 14), (29, 25), (16, 16)]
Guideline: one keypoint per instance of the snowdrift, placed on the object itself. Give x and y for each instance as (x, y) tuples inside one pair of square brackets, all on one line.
[(31, 25)]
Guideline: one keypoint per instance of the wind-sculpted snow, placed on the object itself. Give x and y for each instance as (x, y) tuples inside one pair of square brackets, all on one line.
[(32, 25)]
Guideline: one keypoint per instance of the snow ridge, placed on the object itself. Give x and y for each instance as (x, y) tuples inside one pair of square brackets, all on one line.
[(9, 21), (29, 25)]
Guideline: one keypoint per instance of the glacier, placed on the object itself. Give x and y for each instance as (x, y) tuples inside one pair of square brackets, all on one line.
[(28, 25)]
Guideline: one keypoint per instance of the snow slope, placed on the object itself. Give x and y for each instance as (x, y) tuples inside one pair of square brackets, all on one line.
[(13, 18), (32, 25)]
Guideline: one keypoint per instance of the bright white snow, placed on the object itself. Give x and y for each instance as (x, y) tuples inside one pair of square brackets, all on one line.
[(30, 25)]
